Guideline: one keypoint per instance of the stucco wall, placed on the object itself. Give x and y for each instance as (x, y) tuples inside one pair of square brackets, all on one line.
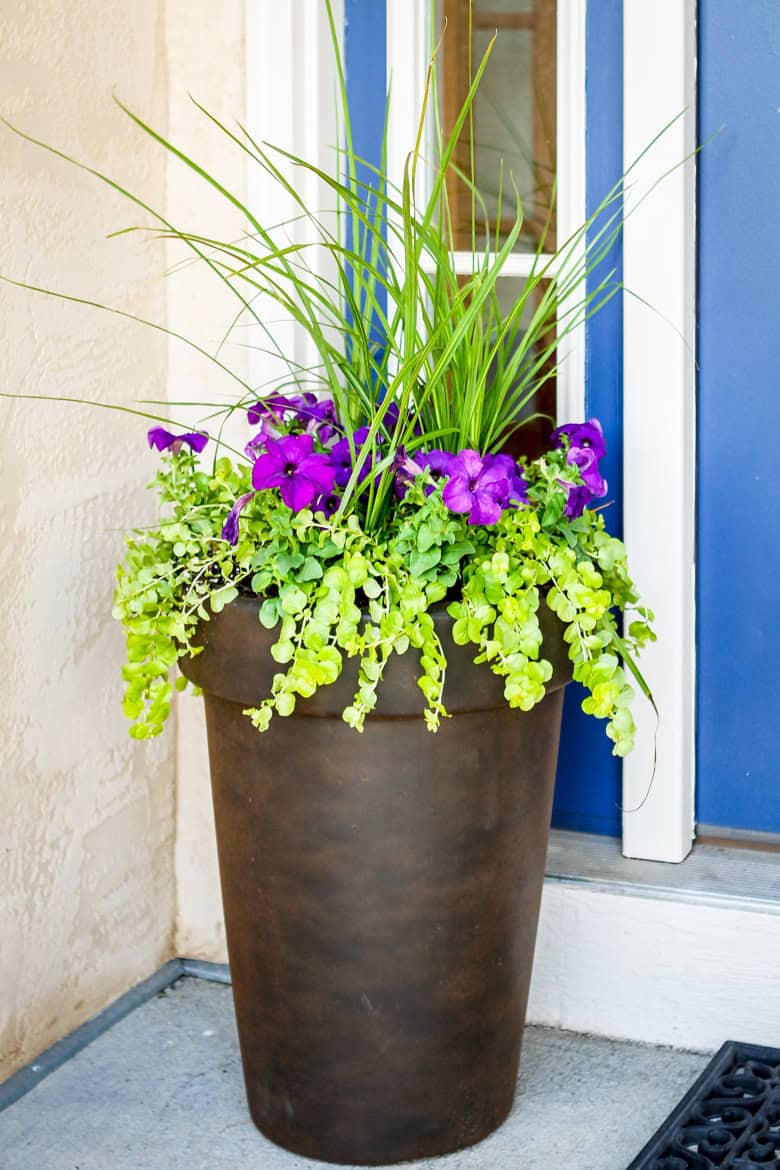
[(205, 60), (87, 820)]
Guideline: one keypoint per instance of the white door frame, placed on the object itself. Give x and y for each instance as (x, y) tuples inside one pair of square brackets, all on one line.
[(659, 399)]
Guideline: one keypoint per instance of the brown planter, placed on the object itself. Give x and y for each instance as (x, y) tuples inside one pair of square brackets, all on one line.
[(381, 896)]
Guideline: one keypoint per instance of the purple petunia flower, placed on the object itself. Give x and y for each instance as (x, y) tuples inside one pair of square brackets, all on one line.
[(230, 527), (163, 440), (593, 485), (407, 467), (311, 414), (273, 408), (476, 486), (437, 462), (256, 445), (327, 503), (391, 417), (292, 465), (322, 419), (341, 457), (588, 464), (517, 488), (588, 436), (577, 499)]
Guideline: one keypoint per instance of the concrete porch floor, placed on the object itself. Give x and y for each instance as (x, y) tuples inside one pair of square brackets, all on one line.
[(162, 1090)]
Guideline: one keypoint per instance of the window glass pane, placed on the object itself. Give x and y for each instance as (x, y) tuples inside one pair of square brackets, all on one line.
[(533, 438), (513, 114)]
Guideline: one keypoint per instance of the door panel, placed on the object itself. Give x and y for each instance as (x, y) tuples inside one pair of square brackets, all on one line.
[(588, 788), (739, 416)]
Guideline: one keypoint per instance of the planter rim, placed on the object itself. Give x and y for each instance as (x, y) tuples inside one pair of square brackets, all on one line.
[(235, 665)]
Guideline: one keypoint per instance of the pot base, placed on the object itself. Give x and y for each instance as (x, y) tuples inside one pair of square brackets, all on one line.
[(421, 1147)]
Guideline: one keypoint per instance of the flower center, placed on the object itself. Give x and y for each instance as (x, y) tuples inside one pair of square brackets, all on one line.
[(290, 468)]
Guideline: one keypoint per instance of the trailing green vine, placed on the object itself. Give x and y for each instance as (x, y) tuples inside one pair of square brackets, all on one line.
[(330, 592)]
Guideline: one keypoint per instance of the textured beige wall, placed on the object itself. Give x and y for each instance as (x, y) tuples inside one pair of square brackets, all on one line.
[(86, 818), (107, 867), (206, 60)]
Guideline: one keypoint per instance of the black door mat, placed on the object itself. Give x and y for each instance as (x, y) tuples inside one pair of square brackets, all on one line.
[(728, 1120)]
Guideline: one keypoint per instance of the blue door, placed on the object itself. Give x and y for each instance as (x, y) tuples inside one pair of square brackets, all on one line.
[(738, 570)]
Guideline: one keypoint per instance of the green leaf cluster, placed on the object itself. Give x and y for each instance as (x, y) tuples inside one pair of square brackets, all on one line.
[(331, 591)]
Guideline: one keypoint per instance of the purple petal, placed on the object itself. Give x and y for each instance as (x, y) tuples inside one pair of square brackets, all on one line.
[(517, 488), (196, 439), (257, 445), (319, 471), (327, 504), (275, 405), (297, 491), (230, 527), (587, 435), (468, 463), (457, 495), (268, 472), (436, 461), (341, 457), (587, 463), (494, 477), (577, 499), (162, 439), (485, 509)]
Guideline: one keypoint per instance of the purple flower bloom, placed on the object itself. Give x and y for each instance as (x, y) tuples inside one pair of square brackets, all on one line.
[(577, 499), (587, 461), (593, 485), (517, 488), (587, 435), (476, 486), (161, 439), (408, 467), (327, 503), (256, 445), (230, 527), (292, 465), (321, 419), (275, 406), (310, 414), (437, 462), (341, 457), (391, 417)]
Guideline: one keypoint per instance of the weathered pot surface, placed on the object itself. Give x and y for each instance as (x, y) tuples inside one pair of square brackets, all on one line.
[(381, 895)]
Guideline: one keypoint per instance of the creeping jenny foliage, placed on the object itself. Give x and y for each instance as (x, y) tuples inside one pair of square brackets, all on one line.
[(330, 591)]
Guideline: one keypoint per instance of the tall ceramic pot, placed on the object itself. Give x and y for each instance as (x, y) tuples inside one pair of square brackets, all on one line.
[(381, 896)]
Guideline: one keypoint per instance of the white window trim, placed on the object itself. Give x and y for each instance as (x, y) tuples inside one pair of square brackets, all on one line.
[(659, 267), (408, 53)]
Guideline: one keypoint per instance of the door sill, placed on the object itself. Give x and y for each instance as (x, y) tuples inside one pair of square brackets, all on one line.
[(716, 872), (685, 955)]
